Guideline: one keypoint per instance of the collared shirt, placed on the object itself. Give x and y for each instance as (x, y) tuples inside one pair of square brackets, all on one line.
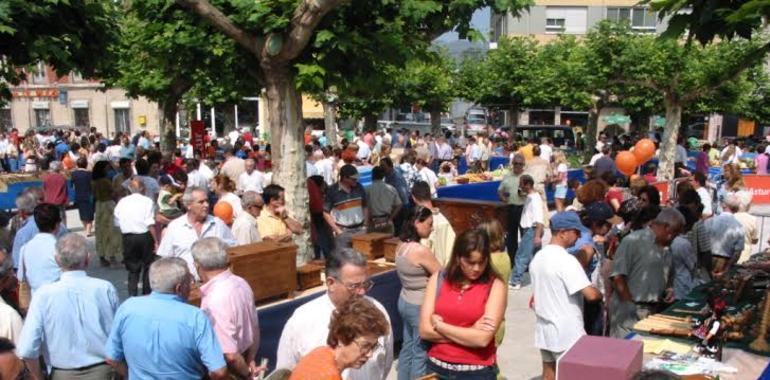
[(196, 179), (10, 322), (162, 334), (396, 179), (180, 235), (270, 225), (229, 303), (325, 168), (308, 328), (347, 208), (443, 151), (71, 319), (749, 223), (245, 229), (533, 211), (251, 182), (383, 198), (134, 214), (28, 231), (728, 236), (38, 265), (646, 266), (510, 185)]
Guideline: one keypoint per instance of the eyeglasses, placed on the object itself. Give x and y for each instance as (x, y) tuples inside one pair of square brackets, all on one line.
[(366, 285), (367, 347)]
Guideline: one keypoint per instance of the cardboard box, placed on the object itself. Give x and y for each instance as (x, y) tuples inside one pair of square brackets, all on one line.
[(595, 357), (371, 244), (270, 268)]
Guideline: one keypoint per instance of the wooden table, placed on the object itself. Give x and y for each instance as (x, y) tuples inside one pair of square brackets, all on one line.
[(464, 214)]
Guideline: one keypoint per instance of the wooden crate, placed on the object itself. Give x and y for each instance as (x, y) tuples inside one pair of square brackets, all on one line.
[(309, 276), (379, 267), (464, 214), (389, 249), (270, 268), (370, 244)]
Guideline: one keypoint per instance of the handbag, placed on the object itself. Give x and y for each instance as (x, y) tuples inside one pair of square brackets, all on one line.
[(25, 292)]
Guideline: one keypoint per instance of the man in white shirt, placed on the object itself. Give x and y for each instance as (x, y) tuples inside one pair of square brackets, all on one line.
[(546, 149), (251, 179), (699, 184), (245, 225), (308, 327), (194, 176), (185, 230), (364, 151), (531, 224), (473, 152), (559, 284), (325, 165), (310, 169), (135, 217)]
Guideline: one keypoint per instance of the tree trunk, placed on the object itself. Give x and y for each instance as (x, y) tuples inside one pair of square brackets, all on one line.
[(435, 122), (589, 136), (330, 123), (670, 133), (370, 123), (288, 154), (167, 127), (513, 115)]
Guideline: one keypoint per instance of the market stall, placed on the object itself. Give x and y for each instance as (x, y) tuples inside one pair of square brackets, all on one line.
[(11, 185), (483, 187)]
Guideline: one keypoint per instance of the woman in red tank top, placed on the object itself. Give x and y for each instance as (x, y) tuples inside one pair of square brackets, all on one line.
[(462, 310)]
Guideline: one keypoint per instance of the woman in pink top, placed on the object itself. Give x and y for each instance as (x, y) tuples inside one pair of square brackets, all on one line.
[(760, 161), (462, 310)]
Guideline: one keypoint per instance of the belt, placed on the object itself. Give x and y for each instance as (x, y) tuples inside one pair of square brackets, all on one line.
[(457, 367), (352, 226), (381, 216), (81, 368)]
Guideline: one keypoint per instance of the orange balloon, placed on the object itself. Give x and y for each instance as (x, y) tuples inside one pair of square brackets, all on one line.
[(644, 150), (626, 162), (224, 211)]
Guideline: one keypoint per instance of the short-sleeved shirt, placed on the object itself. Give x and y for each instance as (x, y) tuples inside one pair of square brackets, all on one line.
[(557, 279), (55, 189), (510, 185), (684, 260), (749, 223), (347, 208), (160, 335), (727, 235), (270, 225), (382, 198), (533, 211), (646, 265), (229, 303), (319, 364)]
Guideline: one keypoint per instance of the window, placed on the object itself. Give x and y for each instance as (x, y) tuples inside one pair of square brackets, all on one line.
[(42, 117), (641, 18), (570, 20), (6, 122), (81, 117), (122, 120), (38, 74)]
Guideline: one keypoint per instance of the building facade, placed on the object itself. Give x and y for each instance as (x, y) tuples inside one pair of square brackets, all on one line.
[(48, 99)]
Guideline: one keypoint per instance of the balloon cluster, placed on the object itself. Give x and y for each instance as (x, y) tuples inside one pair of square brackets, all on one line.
[(627, 161)]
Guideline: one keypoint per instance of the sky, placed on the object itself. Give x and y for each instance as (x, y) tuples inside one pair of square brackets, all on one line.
[(480, 21)]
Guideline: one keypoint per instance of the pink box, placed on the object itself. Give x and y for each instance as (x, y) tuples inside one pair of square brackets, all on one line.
[(594, 357)]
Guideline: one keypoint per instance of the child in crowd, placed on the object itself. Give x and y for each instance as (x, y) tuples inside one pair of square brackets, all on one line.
[(168, 199)]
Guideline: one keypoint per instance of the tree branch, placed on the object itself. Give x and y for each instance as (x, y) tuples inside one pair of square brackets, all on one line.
[(306, 18), (634, 82), (219, 20), (752, 59)]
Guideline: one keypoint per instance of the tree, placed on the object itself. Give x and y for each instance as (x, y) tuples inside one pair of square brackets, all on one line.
[(66, 34), (166, 54), (278, 33), (427, 82)]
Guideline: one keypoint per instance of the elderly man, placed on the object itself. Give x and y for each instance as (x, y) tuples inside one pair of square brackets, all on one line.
[(308, 327), (233, 166), (508, 192), (244, 227), (728, 237), (135, 217), (37, 264), (345, 207), (162, 334), (642, 272), (185, 230), (69, 320), (55, 189), (10, 320), (250, 179), (274, 223), (229, 303)]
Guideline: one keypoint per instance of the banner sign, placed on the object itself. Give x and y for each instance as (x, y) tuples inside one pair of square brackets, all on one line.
[(759, 186), (197, 133), (36, 93)]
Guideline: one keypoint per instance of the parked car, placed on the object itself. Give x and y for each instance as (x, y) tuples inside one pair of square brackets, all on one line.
[(476, 120)]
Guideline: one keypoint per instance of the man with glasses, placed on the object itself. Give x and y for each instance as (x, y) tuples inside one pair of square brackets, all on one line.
[(245, 225), (509, 193), (345, 207), (308, 327)]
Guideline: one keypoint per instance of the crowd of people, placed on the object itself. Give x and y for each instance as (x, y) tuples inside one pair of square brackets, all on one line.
[(615, 253)]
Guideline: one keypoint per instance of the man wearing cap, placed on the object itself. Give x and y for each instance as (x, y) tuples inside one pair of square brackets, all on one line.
[(559, 285), (642, 272), (509, 193), (345, 207)]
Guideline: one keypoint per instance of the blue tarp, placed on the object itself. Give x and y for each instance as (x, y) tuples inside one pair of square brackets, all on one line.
[(8, 198), (487, 191)]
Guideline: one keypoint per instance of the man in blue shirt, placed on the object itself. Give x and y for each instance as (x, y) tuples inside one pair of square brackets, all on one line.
[(29, 228), (69, 320), (162, 334), (61, 149), (37, 263)]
